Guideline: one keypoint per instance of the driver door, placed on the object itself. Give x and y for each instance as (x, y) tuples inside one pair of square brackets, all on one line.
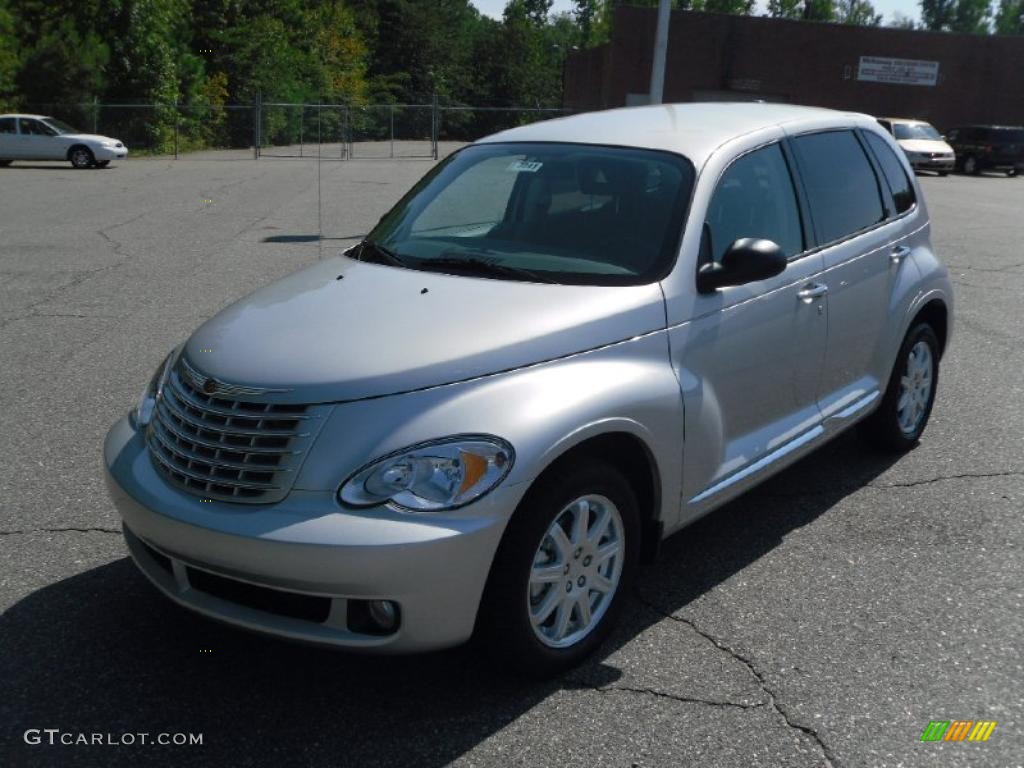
[(749, 361), (38, 141)]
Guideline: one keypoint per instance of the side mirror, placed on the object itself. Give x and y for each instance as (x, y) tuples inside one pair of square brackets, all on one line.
[(748, 259)]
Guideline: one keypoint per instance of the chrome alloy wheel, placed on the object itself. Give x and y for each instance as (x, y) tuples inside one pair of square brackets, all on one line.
[(915, 388), (576, 571), (81, 158)]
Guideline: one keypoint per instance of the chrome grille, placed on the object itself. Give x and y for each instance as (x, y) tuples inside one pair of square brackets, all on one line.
[(228, 449)]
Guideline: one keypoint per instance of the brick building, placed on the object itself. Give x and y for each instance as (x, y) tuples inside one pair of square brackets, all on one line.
[(952, 80)]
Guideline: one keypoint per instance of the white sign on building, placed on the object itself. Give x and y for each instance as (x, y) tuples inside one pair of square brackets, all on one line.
[(879, 69)]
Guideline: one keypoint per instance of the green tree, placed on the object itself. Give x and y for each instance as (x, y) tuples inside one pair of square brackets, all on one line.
[(971, 16), (1010, 17), (859, 13), (902, 21), (9, 58)]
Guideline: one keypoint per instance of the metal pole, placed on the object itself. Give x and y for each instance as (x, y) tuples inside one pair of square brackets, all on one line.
[(175, 130), (433, 127), (660, 52), (256, 127), (392, 130), (302, 116), (95, 115)]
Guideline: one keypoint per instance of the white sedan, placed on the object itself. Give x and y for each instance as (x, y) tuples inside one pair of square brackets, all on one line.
[(36, 137)]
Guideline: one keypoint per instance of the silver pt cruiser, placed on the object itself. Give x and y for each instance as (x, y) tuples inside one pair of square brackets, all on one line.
[(568, 341)]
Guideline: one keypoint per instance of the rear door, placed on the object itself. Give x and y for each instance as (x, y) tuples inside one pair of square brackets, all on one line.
[(8, 138), (860, 233)]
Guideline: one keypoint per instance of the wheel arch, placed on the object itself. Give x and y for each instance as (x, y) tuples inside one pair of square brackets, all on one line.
[(936, 314), (632, 455)]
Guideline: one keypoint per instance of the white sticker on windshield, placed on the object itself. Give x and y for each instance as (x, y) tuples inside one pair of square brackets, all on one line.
[(526, 166)]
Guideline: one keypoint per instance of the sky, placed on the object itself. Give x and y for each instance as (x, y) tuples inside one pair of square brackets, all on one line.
[(909, 8)]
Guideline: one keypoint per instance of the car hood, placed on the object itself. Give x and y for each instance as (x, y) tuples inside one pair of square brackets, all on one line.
[(86, 137), (342, 329), (925, 145)]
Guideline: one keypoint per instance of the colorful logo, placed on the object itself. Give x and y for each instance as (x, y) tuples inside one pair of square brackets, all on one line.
[(958, 730)]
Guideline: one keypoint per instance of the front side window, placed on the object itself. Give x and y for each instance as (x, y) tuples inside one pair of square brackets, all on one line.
[(916, 131), (899, 183), (566, 213), (7, 125), (755, 198), (842, 189), (35, 128)]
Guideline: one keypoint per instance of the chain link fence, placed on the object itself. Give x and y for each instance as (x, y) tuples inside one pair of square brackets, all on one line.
[(275, 129)]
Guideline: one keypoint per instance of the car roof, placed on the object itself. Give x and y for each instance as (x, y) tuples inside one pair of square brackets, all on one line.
[(23, 114), (694, 130)]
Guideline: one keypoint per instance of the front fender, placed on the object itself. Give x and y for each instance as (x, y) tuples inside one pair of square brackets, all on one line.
[(542, 410)]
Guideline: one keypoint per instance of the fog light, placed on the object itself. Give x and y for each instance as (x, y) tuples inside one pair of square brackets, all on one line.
[(373, 617), (383, 613)]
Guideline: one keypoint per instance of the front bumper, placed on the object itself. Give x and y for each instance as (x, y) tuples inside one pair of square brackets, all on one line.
[(932, 163), (102, 153), (434, 566)]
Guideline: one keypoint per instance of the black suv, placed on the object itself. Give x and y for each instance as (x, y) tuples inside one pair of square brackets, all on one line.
[(988, 148)]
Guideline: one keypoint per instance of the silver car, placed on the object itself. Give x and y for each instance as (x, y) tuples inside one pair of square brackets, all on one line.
[(568, 341)]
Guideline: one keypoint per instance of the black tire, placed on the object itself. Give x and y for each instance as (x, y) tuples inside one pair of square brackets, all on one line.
[(943, 173), (81, 157), (102, 163), (5, 163), (971, 165), (1011, 172), (882, 429), (504, 624)]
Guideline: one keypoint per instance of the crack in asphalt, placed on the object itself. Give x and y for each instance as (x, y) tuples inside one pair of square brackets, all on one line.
[(117, 248), (582, 685), (773, 702), (854, 487), (68, 529)]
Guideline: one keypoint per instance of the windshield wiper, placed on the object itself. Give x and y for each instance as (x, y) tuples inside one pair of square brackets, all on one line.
[(384, 255), (474, 265)]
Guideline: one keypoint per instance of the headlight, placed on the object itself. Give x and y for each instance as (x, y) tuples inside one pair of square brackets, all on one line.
[(434, 476), (151, 395)]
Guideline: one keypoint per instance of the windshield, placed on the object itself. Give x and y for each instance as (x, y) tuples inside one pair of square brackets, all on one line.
[(59, 125), (916, 131), (565, 213)]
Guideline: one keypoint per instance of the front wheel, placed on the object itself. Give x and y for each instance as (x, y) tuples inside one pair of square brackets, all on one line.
[(1011, 172), (4, 163), (81, 157), (563, 570), (900, 420), (971, 165)]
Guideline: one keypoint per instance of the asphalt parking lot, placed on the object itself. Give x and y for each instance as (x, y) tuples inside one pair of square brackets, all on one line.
[(822, 619)]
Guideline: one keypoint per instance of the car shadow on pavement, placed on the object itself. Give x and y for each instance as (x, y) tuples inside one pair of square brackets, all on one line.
[(103, 652)]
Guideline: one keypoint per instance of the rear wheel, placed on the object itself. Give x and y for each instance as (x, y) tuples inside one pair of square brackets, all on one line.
[(971, 165), (4, 163), (81, 157), (563, 570), (900, 420), (943, 173), (1011, 172)]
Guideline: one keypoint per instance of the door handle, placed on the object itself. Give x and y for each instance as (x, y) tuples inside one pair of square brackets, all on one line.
[(812, 291), (899, 253)]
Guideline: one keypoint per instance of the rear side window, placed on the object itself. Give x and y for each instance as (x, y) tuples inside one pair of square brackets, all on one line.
[(902, 190), (755, 198), (7, 125), (841, 185)]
